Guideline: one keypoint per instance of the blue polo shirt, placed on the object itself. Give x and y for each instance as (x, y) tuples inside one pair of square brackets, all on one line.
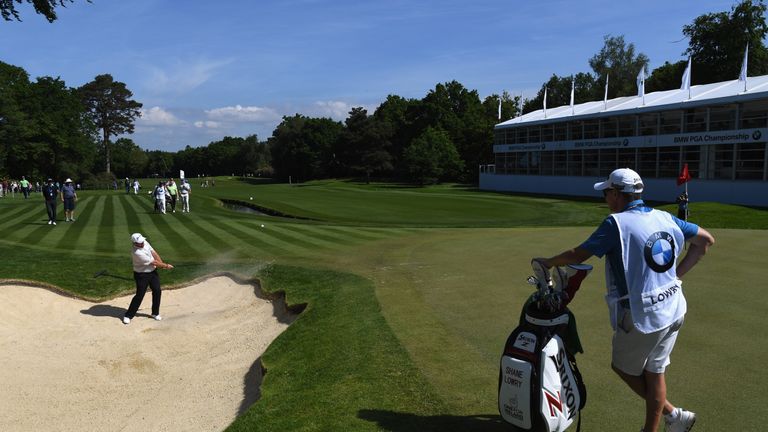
[(605, 241)]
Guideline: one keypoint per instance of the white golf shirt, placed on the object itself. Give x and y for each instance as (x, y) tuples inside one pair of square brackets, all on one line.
[(142, 258)]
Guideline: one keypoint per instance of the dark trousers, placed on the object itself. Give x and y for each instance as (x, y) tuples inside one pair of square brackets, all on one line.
[(173, 202), (50, 206), (143, 280), (25, 191)]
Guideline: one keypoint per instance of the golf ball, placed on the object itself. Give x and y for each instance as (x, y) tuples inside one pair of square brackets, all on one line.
[(262, 225), (251, 198)]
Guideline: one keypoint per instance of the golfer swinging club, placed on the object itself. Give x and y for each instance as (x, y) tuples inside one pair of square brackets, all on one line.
[(145, 263), (645, 296)]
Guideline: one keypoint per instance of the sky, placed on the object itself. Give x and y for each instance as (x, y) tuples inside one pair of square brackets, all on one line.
[(208, 69)]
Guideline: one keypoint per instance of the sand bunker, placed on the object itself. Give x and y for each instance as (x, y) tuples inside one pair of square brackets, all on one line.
[(69, 364)]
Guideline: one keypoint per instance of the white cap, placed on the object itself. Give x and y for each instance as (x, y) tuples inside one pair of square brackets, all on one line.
[(137, 238), (68, 180), (623, 180)]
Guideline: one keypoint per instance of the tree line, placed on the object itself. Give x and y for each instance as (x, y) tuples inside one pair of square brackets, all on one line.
[(49, 129)]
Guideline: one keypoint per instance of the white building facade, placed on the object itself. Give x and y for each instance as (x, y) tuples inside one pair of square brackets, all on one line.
[(720, 130)]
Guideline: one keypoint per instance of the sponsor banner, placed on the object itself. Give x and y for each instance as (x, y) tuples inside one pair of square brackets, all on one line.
[(698, 138)]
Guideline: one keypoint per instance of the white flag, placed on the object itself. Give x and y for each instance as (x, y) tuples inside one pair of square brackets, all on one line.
[(641, 84), (520, 105), (545, 102), (743, 74), (573, 88), (499, 107), (686, 84), (605, 98), (181, 174)]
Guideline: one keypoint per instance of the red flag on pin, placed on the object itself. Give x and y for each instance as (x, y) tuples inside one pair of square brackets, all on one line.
[(684, 176)]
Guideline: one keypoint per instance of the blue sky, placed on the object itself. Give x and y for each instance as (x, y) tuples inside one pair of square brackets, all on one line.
[(208, 69)]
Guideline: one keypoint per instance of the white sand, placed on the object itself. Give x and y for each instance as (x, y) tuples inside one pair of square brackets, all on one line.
[(68, 364)]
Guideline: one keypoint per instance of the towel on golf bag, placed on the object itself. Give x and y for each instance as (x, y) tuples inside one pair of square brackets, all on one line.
[(540, 386)]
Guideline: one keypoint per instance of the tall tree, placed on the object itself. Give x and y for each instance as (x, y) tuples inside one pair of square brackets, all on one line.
[(109, 106), (717, 42), (618, 60), (668, 76), (46, 8), (366, 145), (432, 157), (302, 148)]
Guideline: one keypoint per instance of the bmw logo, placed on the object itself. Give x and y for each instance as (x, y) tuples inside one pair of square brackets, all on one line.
[(659, 251), (756, 135)]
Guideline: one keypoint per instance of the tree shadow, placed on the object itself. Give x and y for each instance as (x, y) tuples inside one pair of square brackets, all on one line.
[(407, 422), (252, 386)]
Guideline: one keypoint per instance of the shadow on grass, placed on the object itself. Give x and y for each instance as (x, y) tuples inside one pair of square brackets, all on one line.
[(407, 422), (252, 386)]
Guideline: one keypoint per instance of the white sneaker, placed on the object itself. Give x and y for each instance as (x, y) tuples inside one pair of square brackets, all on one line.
[(54, 223), (157, 317), (683, 423), (126, 320), (50, 222)]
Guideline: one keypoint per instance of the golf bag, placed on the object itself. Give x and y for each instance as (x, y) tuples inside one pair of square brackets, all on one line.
[(540, 386)]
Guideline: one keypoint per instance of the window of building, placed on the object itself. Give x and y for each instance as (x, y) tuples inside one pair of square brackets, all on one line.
[(591, 129), (722, 161), (695, 120), (591, 163), (722, 117), (561, 131), (546, 159), (501, 167), (627, 126), (609, 127), (627, 158), (534, 162), (750, 161), (499, 137), (534, 134), (560, 162), (521, 135), (671, 122), (649, 124), (646, 161), (575, 131), (575, 159), (691, 155), (754, 115), (669, 162), (546, 133), (608, 162)]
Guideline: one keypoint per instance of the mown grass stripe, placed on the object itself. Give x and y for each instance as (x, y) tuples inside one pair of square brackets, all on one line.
[(351, 233), (301, 242), (253, 238), (205, 236), (13, 215), (104, 233), (319, 232), (231, 242), (147, 216), (89, 240), (132, 221), (83, 213)]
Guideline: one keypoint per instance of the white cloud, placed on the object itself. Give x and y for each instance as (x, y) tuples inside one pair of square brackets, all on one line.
[(241, 114), (157, 116), (182, 76), (207, 124), (336, 110)]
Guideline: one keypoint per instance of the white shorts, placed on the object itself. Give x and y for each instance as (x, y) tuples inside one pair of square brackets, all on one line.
[(634, 351)]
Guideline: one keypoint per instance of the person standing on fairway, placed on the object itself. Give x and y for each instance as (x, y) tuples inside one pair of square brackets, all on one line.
[(185, 190), (51, 194), (173, 192), (645, 296), (145, 264), (69, 197)]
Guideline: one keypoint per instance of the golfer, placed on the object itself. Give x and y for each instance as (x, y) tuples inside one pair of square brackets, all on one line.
[(145, 264), (50, 193), (645, 296)]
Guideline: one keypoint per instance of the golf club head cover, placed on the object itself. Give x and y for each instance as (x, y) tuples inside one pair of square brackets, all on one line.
[(574, 275), (541, 272)]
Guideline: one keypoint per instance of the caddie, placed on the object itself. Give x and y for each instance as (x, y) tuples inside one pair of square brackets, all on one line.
[(645, 296)]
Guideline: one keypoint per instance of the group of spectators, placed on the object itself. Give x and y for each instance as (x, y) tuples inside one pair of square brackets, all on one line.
[(167, 193), (52, 193), (23, 187)]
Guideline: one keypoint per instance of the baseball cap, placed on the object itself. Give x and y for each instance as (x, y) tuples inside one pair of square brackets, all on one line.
[(68, 180), (137, 238), (49, 180), (623, 180)]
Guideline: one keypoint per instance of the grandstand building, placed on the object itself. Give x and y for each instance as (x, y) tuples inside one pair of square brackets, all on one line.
[(720, 130)]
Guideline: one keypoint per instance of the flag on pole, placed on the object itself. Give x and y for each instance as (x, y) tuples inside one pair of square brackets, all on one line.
[(686, 84), (641, 84), (181, 174), (573, 89), (605, 98), (499, 107), (545, 102), (743, 73), (684, 176), (520, 105)]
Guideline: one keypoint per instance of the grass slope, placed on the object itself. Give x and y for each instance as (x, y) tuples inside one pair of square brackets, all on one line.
[(411, 293)]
